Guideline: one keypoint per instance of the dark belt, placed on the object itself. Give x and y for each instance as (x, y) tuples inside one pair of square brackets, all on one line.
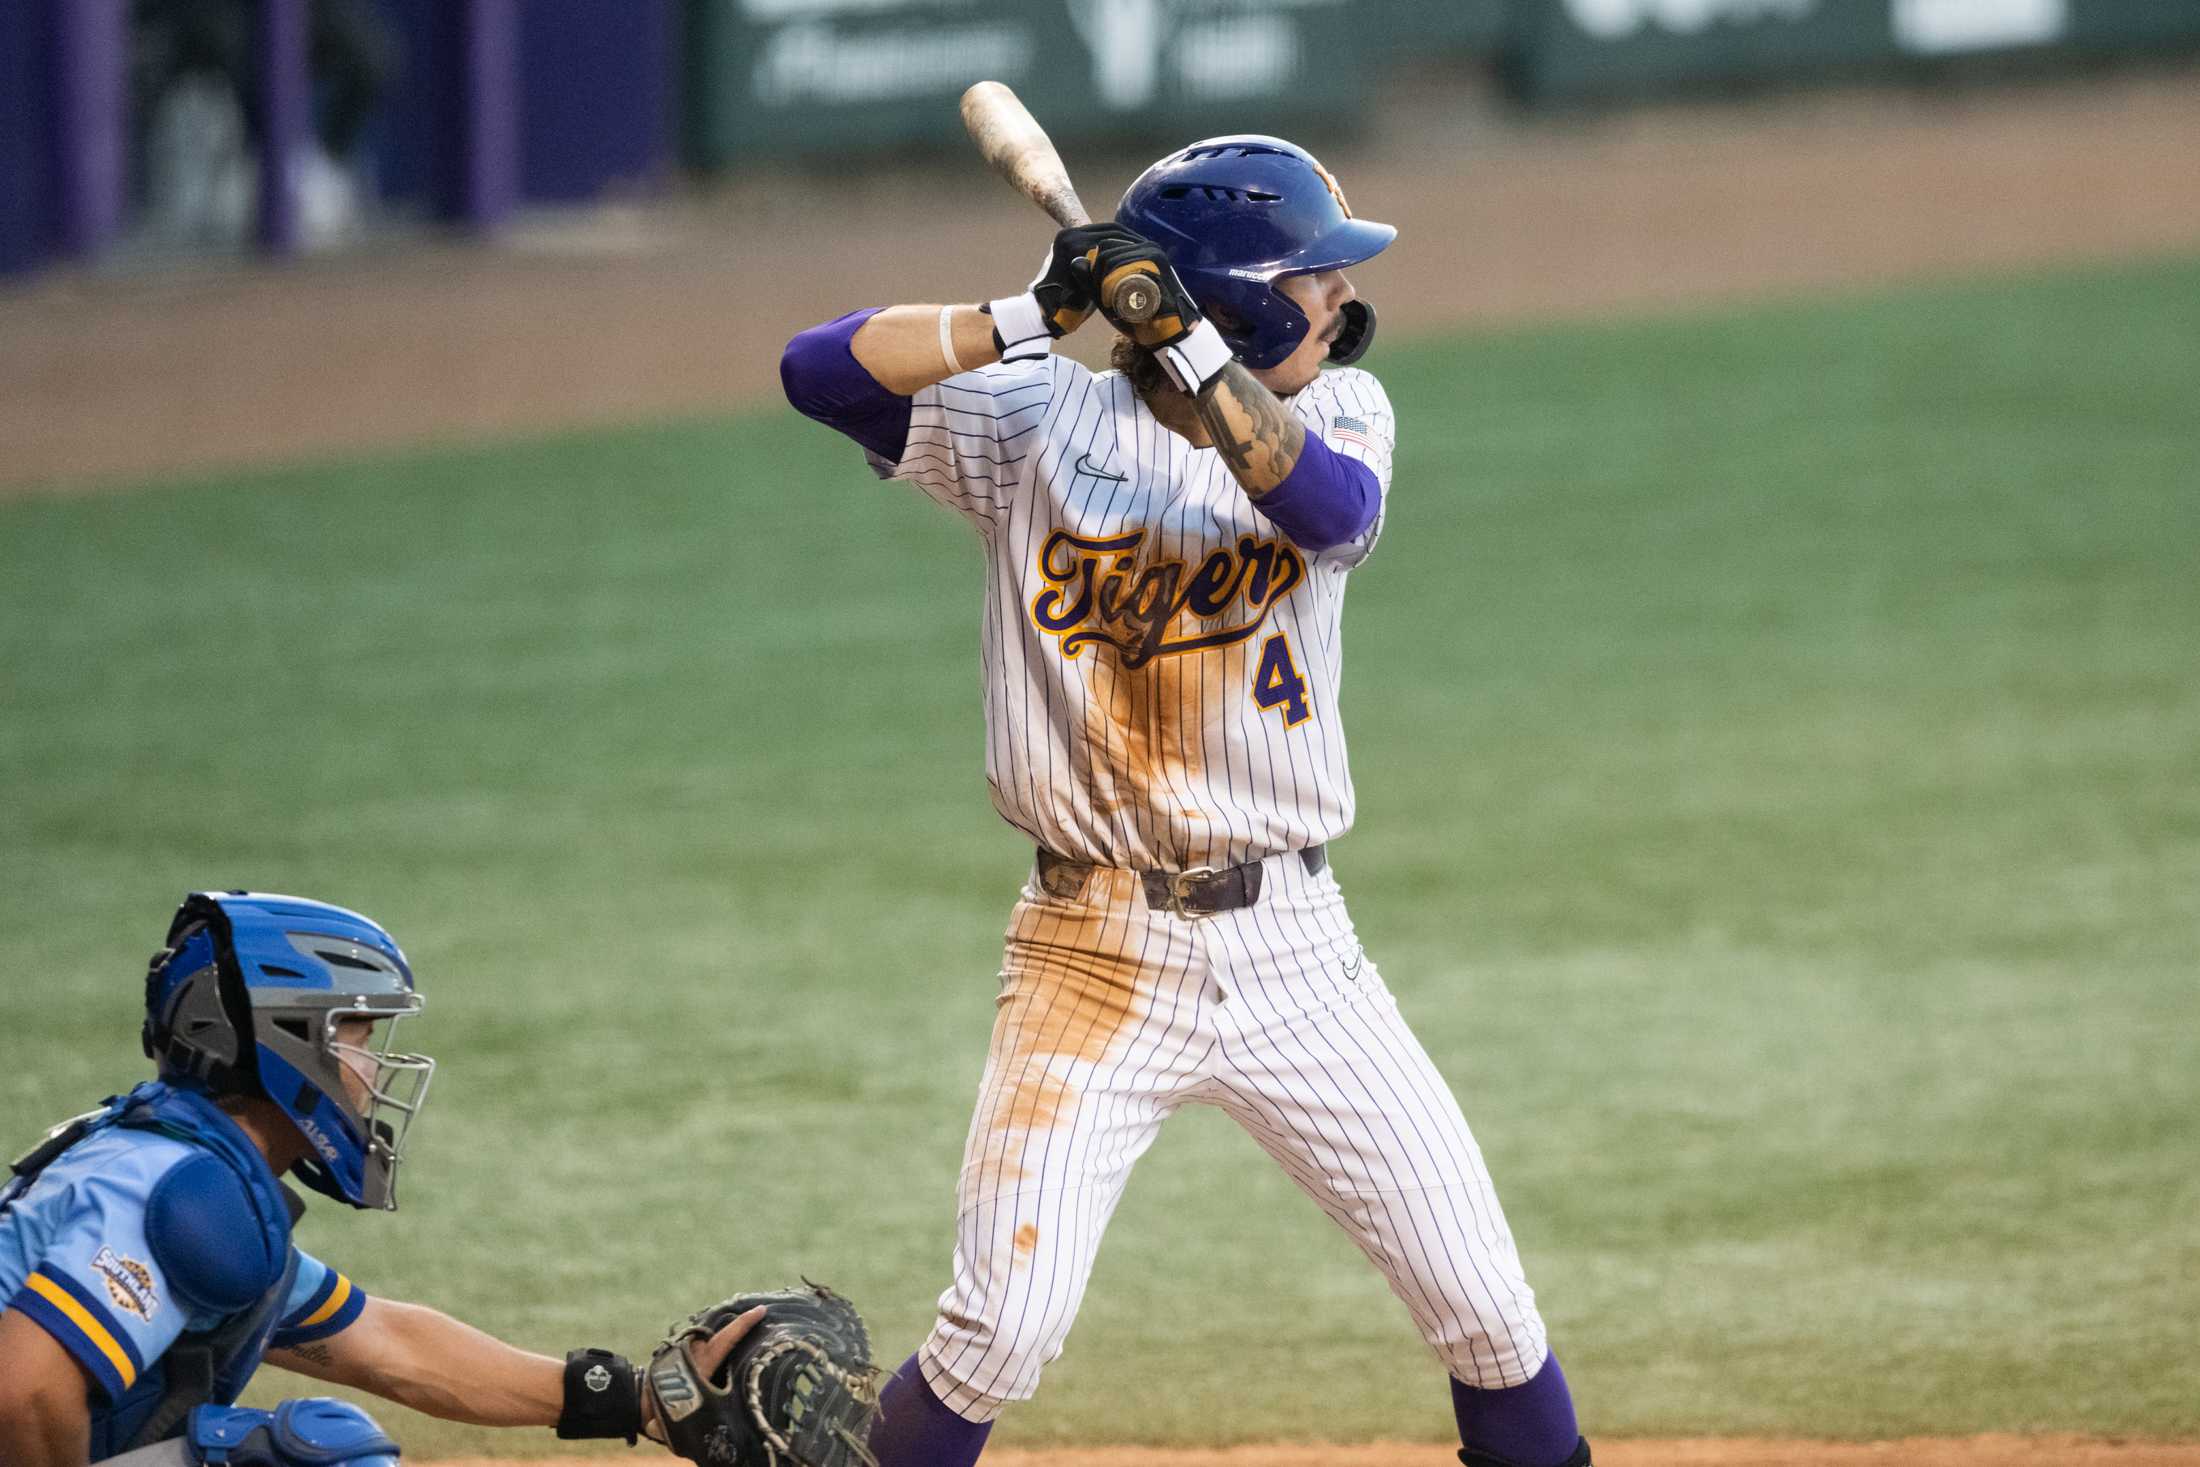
[(1200, 892)]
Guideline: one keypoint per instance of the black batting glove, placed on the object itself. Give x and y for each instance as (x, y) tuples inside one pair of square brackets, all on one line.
[(1060, 298), (1187, 344), (1064, 284), (1124, 256)]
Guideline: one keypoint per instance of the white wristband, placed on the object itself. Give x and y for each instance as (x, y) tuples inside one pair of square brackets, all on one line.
[(947, 341), (1022, 327), (1196, 360)]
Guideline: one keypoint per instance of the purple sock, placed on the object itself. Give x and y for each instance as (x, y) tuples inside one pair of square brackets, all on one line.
[(1532, 1425), (914, 1429)]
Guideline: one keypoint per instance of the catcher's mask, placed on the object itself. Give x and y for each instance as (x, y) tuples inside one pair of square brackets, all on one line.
[(247, 998), (1238, 214)]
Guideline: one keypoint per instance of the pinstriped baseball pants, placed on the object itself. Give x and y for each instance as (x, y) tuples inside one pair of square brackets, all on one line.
[(1111, 1016)]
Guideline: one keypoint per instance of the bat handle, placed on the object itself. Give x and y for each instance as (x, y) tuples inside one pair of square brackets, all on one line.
[(1135, 300)]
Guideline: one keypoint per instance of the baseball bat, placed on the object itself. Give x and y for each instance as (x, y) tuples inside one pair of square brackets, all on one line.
[(1010, 139)]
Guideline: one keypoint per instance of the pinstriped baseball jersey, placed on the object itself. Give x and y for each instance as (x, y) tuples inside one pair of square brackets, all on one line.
[(1162, 665)]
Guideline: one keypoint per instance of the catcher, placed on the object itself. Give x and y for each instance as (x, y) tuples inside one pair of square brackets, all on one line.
[(147, 1264)]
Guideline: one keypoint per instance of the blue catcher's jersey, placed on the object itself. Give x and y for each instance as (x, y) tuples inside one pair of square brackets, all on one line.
[(151, 1230)]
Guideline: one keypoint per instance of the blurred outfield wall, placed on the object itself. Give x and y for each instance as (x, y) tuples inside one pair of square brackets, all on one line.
[(491, 105)]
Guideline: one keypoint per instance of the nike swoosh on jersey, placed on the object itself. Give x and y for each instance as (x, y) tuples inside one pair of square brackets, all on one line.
[(1085, 465)]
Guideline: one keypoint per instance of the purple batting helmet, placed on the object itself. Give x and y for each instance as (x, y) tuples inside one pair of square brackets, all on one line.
[(1235, 216)]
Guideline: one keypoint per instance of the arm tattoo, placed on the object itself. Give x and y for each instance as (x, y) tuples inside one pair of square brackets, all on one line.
[(318, 1353), (1258, 436)]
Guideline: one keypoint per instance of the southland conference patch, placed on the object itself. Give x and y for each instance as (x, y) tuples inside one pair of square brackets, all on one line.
[(129, 1283)]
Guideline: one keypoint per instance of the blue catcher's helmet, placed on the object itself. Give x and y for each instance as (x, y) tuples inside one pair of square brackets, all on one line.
[(246, 998), (1237, 214)]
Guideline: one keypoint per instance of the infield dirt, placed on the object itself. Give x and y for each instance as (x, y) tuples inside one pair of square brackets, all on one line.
[(633, 315)]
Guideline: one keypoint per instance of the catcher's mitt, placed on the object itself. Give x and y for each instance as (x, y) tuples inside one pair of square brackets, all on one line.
[(799, 1390)]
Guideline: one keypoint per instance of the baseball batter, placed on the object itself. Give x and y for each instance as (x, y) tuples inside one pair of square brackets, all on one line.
[(1167, 549)]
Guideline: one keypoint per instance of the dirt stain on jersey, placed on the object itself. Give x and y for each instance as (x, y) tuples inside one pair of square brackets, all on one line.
[(1144, 744), (1027, 1238), (1070, 992), (1032, 1098)]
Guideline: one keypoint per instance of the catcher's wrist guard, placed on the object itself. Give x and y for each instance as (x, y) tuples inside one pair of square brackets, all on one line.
[(603, 1397)]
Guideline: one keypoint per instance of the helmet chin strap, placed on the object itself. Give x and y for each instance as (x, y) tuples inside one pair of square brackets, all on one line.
[(1358, 333)]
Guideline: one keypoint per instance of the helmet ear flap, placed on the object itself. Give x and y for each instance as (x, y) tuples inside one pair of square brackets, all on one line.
[(1357, 336), (148, 1031), (202, 1030)]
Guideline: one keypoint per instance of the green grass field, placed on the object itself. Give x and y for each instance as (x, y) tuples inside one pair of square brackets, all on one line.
[(1778, 735)]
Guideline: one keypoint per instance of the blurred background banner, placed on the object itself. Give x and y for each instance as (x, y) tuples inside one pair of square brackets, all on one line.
[(772, 77), (1579, 48), (1571, 49)]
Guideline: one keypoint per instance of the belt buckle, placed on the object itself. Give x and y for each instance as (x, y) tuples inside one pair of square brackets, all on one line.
[(1182, 884)]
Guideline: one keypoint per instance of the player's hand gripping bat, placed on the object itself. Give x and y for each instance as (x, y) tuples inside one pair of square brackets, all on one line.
[(1011, 139)]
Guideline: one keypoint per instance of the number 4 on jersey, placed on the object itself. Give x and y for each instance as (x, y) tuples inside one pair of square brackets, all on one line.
[(1277, 683)]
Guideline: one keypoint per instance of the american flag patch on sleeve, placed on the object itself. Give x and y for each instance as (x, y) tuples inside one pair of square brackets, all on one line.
[(1352, 431)]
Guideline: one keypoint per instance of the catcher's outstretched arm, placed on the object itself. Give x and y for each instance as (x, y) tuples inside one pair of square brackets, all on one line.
[(422, 1358), (419, 1357)]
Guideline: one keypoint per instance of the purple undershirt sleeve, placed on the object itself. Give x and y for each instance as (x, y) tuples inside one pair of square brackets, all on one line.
[(1325, 501), (823, 380)]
